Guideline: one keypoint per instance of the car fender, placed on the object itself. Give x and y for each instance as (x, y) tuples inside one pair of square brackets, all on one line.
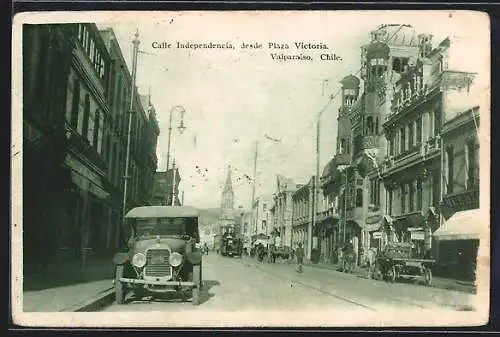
[(194, 257), (120, 258)]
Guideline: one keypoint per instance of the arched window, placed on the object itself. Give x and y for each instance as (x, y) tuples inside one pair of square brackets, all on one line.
[(359, 197)]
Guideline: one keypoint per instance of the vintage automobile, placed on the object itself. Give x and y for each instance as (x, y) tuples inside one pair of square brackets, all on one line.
[(399, 260), (163, 253)]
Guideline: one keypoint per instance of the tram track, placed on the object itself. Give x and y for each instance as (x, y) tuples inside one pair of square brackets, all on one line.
[(332, 294)]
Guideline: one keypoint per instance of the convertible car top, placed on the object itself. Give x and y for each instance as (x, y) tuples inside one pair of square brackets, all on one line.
[(163, 211)]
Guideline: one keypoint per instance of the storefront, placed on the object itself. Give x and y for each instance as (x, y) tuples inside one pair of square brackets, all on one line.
[(88, 200), (379, 231), (458, 242), (411, 228)]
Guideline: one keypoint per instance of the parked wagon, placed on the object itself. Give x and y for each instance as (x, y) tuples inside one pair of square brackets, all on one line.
[(398, 260)]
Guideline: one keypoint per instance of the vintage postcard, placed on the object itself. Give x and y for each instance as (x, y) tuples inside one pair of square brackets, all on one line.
[(251, 169)]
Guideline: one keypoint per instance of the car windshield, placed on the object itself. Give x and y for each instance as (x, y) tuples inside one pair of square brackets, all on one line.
[(162, 226)]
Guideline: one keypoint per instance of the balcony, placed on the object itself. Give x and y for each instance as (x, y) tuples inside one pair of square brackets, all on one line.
[(300, 220), (401, 106), (463, 200), (330, 213), (417, 153), (366, 142)]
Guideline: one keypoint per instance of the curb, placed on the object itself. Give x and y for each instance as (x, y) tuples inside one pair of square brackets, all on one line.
[(465, 288), (95, 303)]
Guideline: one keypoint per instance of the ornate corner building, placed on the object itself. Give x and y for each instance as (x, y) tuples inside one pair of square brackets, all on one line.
[(385, 182)]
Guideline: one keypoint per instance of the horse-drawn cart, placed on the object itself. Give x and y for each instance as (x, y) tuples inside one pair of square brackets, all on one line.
[(398, 260)]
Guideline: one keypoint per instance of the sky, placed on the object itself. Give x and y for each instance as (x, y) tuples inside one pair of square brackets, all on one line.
[(234, 98)]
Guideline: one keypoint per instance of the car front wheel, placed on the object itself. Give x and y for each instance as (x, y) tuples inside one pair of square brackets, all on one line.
[(119, 288)]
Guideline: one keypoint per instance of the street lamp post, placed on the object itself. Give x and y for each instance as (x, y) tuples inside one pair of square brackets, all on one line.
[(135, 42), (181, 128)]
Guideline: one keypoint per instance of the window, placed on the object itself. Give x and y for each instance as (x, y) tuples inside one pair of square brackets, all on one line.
[(431, 124), (411, 136), (437, 121), (449, 169), (376, 125), (375, 192), (342, 146), (411, 203), (96, 129), (369, 126), (75, 104), (402, 143), (390, 201), (396, 142), (471, 164), (403, 198), (399, 64), (418, 130), (86, 116), (419, 194), (359, 197)]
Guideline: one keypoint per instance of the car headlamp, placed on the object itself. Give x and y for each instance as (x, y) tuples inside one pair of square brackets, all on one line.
[(139, 260), (175, 259)]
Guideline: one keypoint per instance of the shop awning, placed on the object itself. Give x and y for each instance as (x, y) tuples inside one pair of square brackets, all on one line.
[(376, 226), (464, 225), (415, 219)]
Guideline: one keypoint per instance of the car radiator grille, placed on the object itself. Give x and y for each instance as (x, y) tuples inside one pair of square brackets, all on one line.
[(157, 263)]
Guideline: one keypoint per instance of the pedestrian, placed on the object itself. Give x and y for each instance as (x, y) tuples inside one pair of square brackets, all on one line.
[(299, 252), (355, 246)]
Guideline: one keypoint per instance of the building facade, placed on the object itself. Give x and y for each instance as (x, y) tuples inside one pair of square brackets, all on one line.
[(458, 237), (330, 226), (47, 58), (165, 187), (70, 70), (261, 215), (302, 212), (412, 165), (282, 211)]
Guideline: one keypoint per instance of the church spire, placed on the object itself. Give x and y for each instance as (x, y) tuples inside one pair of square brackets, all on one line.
[(227, 197), (228, 187)]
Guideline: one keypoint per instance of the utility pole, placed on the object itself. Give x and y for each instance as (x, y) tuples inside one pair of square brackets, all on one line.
[(169, 139), (135, 42), (316, 179), (254, 220), (173, 182)]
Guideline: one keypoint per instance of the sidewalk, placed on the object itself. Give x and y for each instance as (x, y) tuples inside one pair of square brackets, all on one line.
[(437, 282), (64, 286), (66, 298)]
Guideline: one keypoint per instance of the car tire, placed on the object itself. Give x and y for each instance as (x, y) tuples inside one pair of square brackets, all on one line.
[(427, 276), (119, 287)]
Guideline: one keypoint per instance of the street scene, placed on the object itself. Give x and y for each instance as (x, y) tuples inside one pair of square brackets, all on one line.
[(182, 168)]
